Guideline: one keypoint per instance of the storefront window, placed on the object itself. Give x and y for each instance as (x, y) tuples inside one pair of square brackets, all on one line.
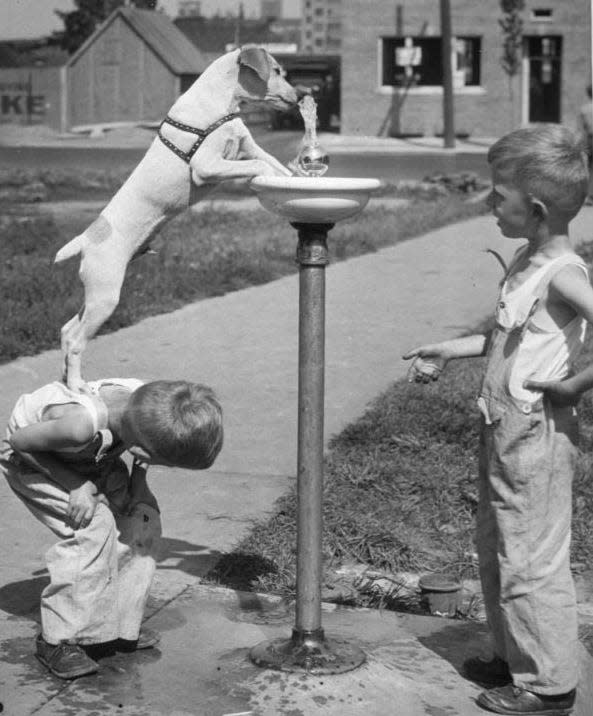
[(417, 61)]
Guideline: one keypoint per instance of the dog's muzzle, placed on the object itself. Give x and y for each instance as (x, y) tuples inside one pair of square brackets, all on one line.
[(201, 134)]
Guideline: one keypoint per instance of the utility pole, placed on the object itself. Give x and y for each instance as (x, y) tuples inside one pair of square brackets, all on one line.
[(447, 49), (238, 26)]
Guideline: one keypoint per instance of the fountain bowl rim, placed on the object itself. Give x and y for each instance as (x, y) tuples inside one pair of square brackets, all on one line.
[(262, 183)]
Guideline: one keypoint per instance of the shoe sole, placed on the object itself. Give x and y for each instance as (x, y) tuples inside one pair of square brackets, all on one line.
[(74, 674), (134, 646), (545, 712)]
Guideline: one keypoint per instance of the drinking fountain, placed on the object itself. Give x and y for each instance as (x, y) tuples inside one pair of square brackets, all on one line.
[(312, 204)]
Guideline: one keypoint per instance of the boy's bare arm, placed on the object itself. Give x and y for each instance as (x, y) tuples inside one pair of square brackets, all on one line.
[(431, 359), (35, 444), (572, 287), (72, 430)]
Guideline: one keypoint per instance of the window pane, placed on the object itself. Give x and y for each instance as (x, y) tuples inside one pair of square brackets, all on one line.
[(417, 61)]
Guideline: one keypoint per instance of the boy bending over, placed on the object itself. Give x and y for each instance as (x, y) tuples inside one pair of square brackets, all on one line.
[(63, 460), (529, 435)]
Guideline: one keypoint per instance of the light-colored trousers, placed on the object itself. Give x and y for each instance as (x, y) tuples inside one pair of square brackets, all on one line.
[(527, 461), (100, 575)]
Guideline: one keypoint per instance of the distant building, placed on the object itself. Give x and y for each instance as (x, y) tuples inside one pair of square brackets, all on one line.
[(321, 26), (392, 80), (189, 8), (215, 35), (39, 52), (132, 68), (270, 9), (32, 81)]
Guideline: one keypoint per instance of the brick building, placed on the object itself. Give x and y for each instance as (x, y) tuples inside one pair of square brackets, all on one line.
[(392, 68), (321, 25)]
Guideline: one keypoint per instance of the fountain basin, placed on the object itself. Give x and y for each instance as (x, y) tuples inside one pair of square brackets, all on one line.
[(314, 200)]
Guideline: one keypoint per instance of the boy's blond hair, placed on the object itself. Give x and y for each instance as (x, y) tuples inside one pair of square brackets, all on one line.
[(548, 162), (178, 421)]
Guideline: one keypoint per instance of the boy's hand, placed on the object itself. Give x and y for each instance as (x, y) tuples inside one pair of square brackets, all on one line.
[(560, 392), (83, 503), (429, 362)]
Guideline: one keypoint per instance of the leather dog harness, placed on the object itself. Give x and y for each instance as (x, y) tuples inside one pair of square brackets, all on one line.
[(201, 134)]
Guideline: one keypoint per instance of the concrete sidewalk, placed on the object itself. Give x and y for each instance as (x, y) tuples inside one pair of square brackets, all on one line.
[(142, 136), (245, 345)]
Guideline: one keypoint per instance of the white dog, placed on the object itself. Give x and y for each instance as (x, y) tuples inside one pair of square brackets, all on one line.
[(201, 143)]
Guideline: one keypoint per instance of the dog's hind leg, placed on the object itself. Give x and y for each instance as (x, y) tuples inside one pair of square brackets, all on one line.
[(102, 272)]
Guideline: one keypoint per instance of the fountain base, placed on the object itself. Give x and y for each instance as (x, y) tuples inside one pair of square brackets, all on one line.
[(308, 652)]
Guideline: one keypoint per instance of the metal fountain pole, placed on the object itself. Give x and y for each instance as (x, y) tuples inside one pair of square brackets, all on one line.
[(312, 204), (308, 649), (312, 258)]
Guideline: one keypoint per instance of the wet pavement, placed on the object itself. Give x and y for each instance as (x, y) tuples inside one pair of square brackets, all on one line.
[(202, 665)]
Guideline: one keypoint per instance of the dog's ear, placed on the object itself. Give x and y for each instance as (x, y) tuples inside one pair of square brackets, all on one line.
[(257, 59), (254, 70)]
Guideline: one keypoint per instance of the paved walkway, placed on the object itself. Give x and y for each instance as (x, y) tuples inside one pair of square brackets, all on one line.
[(128, 137), (245, 345)]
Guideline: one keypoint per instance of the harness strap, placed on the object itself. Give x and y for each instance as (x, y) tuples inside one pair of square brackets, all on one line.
[(201, 133)]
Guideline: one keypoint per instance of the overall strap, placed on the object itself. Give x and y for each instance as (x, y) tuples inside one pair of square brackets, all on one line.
[(556, 265), (201, 134)]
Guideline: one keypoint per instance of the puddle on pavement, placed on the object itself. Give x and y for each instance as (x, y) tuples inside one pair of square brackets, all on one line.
[(117, 684), (251, 608), (19, 651)]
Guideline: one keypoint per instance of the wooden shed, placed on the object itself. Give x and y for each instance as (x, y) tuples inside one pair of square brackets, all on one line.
[(131, 69)]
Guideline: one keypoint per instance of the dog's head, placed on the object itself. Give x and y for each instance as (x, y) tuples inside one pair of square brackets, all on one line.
[(261, 79)]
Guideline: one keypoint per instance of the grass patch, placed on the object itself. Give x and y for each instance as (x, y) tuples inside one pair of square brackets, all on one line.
[(199, 255), (400, 490), (34, 185)]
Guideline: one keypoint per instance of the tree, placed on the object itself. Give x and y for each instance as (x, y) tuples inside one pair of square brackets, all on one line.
[(82, 22), (511, 25)]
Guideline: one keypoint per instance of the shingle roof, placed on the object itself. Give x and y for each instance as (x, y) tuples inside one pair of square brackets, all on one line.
[(161, 35), (213, 34)]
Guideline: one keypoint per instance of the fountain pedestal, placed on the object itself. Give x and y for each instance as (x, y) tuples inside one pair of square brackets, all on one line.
[(312, 205)]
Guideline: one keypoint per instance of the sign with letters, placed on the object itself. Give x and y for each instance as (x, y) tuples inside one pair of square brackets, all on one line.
[(18, 102), (409, 55)]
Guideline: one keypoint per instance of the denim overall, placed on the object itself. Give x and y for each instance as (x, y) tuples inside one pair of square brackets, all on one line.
[(528, 452)]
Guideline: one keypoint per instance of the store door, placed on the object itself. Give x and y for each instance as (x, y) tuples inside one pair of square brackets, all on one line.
[(544, 55)]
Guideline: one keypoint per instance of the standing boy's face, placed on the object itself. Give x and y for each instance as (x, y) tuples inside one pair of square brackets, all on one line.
[(512, 208)]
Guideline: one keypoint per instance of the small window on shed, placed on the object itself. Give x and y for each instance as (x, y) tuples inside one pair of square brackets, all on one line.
[(542, 14)]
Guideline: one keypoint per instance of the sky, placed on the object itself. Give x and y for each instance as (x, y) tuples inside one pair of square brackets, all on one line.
[(21, 19)]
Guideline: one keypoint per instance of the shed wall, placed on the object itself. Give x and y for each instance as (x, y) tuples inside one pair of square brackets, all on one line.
[(119, 78)]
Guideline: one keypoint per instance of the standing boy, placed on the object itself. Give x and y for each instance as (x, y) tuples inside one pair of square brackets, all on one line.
[(63, 461), (528, 443)]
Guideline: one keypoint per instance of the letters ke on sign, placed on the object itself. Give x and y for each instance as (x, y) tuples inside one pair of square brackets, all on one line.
[(17, 100)]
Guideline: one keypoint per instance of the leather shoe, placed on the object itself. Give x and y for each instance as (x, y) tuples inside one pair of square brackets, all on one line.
[(65, 660), (494, 672), (515, 701)]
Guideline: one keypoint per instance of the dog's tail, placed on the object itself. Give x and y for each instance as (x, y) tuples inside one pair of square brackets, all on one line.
[(72, 248)]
